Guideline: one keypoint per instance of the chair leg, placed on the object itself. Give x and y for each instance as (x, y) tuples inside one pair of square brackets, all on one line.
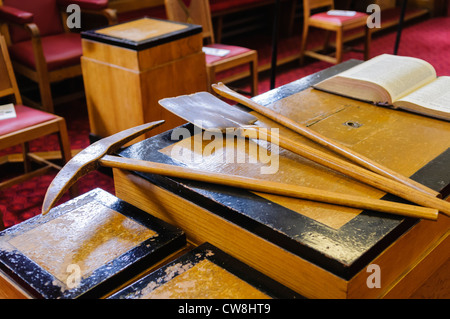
[(303, 44), (42, 74), (66, 155), (64, 141), (254, 75), (326, 43), (339, 46), (218, 29), (46, 95), (211, 74), (26, 159), (367, 41)]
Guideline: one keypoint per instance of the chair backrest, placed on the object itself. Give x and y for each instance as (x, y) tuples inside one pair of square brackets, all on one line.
[(192, 11), (46, 14), (8, 83), (309, 5)]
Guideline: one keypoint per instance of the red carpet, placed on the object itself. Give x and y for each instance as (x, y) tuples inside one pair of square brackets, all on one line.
[(429, 40)]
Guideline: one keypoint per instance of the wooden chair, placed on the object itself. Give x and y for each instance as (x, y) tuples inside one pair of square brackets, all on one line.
[(337, 24), (41, 45), (29, 124), (198, 12)]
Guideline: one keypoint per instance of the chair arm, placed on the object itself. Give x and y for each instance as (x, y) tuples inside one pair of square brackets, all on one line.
[(10, 14)]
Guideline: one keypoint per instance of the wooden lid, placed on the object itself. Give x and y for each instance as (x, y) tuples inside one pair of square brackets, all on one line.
[(143, 33), (206, 272), (85, 247), (339, 239)]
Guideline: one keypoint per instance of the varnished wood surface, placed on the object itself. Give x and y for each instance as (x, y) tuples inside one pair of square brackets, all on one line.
[(437, 286), (141, 60), (384, 135), (10, 290), (142, 34), (205, 273), (279, 264), (268, 187), (303, 130), (108, 241), (125, 79), (297, 170), (142, 29)]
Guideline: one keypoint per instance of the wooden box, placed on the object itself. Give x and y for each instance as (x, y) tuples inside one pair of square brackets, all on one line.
[(318, 250), (83, 248), (129, 67), (205, 273)]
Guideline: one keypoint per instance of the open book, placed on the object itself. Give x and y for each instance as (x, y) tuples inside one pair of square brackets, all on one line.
[(401, 82)]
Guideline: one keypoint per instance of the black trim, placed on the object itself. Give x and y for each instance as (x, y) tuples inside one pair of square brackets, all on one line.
[(209, 252), (145, 44), (358, 242), (41, 284)]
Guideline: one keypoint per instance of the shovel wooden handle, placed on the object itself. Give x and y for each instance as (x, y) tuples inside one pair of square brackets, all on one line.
[(226, 92), (269, 187), (349, 169)]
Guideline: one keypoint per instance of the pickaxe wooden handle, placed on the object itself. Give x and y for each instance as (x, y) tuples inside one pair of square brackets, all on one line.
[(338, 148), (97, 154), (270, 187), (351, 170)]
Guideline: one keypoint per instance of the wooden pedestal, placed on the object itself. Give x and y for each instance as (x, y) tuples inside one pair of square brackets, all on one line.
[(129, 67)]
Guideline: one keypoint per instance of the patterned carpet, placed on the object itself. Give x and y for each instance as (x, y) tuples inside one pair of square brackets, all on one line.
[(429, 40)]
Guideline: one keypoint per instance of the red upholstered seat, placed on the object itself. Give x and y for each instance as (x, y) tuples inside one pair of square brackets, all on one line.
[(234, 51), (26, 117), (28, 125), (41, 48), (60, 50), (338, 20)]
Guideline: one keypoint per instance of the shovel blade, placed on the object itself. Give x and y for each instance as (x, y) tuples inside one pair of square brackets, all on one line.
[(207, 111)]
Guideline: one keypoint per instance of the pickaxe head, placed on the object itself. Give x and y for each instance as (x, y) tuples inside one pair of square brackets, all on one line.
[(88, 160)]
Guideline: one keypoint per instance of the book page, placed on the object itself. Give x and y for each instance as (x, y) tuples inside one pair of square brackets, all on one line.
[(7, 111), (435, 96), (399, 75)]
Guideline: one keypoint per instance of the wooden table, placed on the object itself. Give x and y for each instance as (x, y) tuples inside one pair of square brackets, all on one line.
[(318, 250), (128, 68)]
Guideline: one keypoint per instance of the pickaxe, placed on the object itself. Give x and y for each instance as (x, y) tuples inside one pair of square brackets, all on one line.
[(97, 155)]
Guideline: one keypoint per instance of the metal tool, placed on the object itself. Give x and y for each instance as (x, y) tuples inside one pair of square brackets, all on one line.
[(96, 155)]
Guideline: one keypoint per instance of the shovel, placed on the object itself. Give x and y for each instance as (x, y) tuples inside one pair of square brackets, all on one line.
[(210, 113), (303, 130)]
